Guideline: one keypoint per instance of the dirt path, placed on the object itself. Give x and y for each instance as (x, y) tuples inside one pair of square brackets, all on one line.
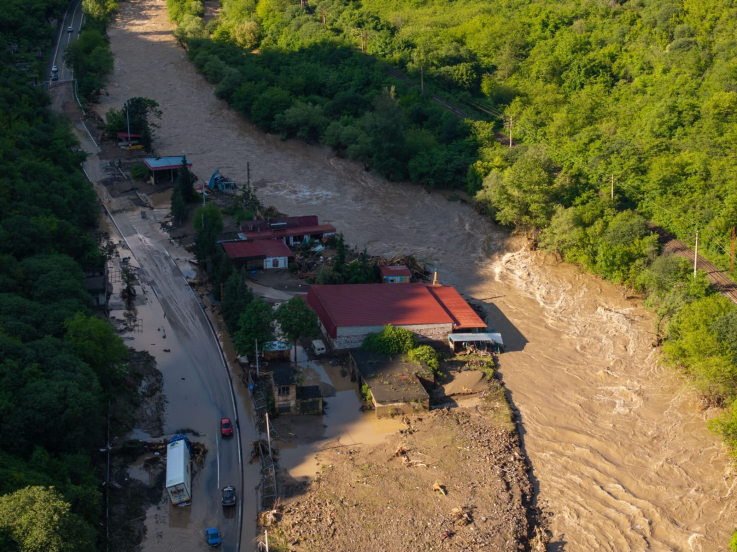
[(619, 449)]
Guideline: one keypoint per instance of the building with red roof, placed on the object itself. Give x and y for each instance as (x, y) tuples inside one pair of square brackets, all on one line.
[(292, 230), (348, 313), (395, 274), (258, 255)]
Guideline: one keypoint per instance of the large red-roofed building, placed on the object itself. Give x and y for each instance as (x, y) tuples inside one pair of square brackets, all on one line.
[(292, 230), (347, 313)]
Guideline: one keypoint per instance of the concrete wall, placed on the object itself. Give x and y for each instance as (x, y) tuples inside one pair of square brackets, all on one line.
[(397, 409), (282, 262), (352, 336)]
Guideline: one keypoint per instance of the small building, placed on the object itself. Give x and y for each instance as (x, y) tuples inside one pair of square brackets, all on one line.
[(277, 351), (348, 313), (259, 254), (164, 169), (393, 381), (482, 341), (97, 284), (396, 274), (309, 399), (125, 139), (291, 230), (285, 389)]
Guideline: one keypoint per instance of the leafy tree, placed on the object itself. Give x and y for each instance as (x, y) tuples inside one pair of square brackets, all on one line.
[(208, 225), (237, 297), (95, 341), (185, 183), (428, 355), (179, 209), (141, 113), (256, 323), (246, 34), (297, 320), (391, 341), (36, 519)]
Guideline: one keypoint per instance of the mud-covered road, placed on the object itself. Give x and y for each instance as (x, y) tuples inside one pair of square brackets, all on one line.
[(618, 445)]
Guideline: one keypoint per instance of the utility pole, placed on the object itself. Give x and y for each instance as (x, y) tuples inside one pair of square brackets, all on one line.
[(128, 118), (268, 433), (731, 257), (323, 16), (422, 79), (612, 186), (248, 175), (257, 374), (696, 254), (511, 123)]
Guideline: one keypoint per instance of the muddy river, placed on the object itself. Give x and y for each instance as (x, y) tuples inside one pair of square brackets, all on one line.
[(620, 453)]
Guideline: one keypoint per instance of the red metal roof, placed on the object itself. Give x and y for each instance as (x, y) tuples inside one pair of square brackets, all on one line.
[(379, 304), (397, 270), (256, 249), (129, 136), (462, 314), (287, 232)]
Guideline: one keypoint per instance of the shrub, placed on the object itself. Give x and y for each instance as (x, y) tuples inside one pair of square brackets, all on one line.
[(428, 355), (365, 393), (390, 341), (139, 171)]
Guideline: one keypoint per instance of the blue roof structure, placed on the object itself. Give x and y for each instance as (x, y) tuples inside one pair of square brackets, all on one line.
[(164, 163)]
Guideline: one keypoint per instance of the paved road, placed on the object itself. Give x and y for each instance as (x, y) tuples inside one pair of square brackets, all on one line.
[(73, 17), (196, 385)]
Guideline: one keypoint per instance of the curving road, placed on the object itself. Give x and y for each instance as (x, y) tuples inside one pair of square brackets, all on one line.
[(74, 18)]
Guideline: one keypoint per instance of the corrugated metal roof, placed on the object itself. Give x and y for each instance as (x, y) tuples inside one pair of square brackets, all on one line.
[(476, 337), (164, 163), (269, 234), (455, 305), (380, 304), (255, 249)]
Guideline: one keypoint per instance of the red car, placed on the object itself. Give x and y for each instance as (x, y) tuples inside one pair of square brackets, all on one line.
[(226, 427)]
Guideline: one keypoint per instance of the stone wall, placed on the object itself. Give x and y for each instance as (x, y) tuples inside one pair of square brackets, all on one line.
[(352, 337)]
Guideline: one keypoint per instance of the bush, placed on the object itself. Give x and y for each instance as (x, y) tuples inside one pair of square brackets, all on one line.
[(365, 393), (390, 341), (428, 355), (139, 171)]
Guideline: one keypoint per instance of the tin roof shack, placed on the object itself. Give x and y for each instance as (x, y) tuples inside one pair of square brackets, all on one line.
[(395, 274), (482, 341), (277, 351), (163, 167), (291, 230), (97, 284), (348, 313), (285, 389), (258, 255), (393, 381)]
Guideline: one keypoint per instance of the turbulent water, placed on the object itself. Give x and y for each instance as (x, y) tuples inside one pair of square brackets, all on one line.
[(618, 445)]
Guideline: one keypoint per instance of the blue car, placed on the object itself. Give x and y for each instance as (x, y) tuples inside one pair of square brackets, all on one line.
[(213, 536)]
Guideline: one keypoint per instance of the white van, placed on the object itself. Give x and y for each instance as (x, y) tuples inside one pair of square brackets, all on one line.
[(318, 347)]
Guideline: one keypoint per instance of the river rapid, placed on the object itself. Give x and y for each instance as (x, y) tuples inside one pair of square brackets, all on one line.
[(620, 453)]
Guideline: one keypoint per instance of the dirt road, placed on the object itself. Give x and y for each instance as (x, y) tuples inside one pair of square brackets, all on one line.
[(619, 447)]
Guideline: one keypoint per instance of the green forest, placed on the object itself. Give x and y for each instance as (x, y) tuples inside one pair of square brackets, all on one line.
[(59, 365), (585, 125)]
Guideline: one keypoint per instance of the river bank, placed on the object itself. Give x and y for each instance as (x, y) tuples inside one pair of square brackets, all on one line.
[(620, 453)]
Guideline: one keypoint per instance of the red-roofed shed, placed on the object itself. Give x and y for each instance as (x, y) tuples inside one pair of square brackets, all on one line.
[(347, 313), (261, 254)]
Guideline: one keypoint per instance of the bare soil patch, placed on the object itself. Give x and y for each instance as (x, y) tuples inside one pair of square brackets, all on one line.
[(452, 480)]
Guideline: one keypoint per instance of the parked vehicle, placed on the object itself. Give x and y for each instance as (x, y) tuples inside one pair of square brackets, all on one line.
[(226, 427), (179, 470), (213, 536), (70, 30), (54, 69), (318, 347), (229, 498), (55, 77)]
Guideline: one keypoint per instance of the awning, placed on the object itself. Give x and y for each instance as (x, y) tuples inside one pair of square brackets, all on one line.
[(476, 338)]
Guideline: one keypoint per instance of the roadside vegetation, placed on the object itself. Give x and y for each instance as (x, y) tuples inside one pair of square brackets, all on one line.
[(59, 365), (90, 56)]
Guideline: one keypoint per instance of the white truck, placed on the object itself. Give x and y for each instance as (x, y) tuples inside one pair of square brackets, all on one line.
[(179, 471)]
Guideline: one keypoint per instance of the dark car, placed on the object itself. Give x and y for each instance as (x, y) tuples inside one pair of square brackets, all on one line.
[(229, 496), (226, 427), (55, 77)]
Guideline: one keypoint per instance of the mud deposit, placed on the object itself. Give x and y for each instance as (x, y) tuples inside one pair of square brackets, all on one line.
[(451, 480), (620, 452)]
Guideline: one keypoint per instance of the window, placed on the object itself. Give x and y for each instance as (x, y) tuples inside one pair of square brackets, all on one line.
[(284, 390)]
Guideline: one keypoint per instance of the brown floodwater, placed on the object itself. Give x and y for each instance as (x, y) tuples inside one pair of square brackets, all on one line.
[(620, 453)]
